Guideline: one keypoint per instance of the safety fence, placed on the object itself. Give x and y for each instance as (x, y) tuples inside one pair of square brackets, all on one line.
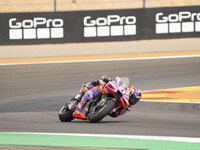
[(76, 5), (99, 25)]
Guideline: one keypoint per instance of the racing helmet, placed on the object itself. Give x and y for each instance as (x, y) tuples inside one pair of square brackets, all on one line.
[(134, 95)]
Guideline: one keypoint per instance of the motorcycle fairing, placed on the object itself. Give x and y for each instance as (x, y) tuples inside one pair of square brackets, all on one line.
[(111, 87), (120, 86), (124, 101)]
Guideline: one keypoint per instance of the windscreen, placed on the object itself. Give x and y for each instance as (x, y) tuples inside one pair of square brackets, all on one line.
[(125, 81)]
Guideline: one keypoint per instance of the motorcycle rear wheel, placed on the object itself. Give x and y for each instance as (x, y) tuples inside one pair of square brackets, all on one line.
[(97, 113), (65, 115)]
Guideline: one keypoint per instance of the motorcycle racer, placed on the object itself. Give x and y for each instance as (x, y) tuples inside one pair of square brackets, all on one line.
[(104, 79), (95, 89)]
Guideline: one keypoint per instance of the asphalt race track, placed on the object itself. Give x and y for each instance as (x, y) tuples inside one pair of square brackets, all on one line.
[(31, 96)]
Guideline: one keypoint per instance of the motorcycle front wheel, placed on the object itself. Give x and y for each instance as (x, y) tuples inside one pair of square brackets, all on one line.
[(99, 111), (65, 115)]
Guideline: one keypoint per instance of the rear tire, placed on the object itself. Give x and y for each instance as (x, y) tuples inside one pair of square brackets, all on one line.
[(65, 115), (96, 116)]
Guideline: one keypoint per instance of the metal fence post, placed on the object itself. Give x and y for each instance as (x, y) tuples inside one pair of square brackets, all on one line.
[(55, 5), (144, 3)]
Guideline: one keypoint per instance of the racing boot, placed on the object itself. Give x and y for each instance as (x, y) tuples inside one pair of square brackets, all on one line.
[(78, 97), (72, 105)]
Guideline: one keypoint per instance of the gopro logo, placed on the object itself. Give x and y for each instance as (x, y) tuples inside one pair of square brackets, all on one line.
[(36, 28), (183, 22), (112, 25)]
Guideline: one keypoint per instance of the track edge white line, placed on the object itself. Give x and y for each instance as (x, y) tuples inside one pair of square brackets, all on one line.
[(142, 137)]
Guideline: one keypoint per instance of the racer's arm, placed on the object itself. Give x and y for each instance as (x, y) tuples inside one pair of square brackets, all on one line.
[(104, 79), (125, 110)]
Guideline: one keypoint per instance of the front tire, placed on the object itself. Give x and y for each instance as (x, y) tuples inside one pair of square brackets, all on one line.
[(97, 113), (65, 115)]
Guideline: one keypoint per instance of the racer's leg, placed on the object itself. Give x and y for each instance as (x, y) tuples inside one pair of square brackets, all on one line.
[(83, 90), (90, 95), (81, 93), (82, 108)]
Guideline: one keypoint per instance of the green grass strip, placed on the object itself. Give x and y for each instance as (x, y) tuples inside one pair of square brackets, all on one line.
[(66, 140)]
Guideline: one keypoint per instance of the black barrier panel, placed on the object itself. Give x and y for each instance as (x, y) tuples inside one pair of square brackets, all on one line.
[(99, 26), (69, 27), (172, 22), (35, 28), (109, 25)]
